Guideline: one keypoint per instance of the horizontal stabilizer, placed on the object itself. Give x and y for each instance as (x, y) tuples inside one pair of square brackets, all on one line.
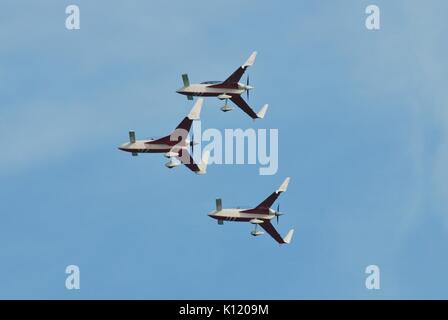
[(185, 80), (132, 136), (218, 204)]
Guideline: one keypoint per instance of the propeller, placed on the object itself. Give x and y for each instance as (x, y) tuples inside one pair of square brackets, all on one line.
[(278, 210), (278, 213), (192, 144), (248, 86)]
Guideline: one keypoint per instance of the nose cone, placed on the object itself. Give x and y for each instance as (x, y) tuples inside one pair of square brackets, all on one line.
[(123, 147)]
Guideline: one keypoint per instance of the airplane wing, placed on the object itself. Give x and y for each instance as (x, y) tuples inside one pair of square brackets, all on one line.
[(269, 228), (187, 160), (181, 131), (244, 106), (267, 203), (179, 134), (236, 76)]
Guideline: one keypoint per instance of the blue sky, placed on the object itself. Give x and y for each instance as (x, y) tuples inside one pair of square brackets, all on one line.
[(363, 128)]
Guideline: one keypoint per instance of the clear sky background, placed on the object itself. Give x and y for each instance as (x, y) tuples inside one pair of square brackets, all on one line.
[(363, 126)]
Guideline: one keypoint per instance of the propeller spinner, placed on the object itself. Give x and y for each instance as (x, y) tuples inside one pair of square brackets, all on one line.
[(248, 87), (278, 213)]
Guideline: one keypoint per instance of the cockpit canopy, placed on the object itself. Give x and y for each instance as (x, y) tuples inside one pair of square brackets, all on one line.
[(211, 82)]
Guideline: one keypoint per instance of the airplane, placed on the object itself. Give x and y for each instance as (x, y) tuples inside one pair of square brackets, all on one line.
[(175, 146), (230, 88), (261, 215)]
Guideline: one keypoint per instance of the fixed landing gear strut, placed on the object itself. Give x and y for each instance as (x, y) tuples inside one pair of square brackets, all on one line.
[(226, 107), (255, 232)]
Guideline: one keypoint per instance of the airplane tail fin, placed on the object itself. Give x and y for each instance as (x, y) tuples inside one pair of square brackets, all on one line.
[(203, 165), (238, 73), (269, 201), (262, 111), (250, 61), (196, 110), (288, 238), (284, 185)]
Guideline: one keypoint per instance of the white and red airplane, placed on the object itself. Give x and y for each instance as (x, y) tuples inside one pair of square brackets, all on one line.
[(230, 88), (175, 146), (261, 215)]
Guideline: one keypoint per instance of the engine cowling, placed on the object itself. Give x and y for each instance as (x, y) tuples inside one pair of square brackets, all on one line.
[(243, 86)]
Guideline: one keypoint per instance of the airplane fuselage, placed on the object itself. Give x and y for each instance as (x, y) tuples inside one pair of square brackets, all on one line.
[(212, 90), (241, 215), (145, 146)]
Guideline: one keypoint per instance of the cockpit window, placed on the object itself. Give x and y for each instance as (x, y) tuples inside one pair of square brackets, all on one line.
[(210, 82)]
